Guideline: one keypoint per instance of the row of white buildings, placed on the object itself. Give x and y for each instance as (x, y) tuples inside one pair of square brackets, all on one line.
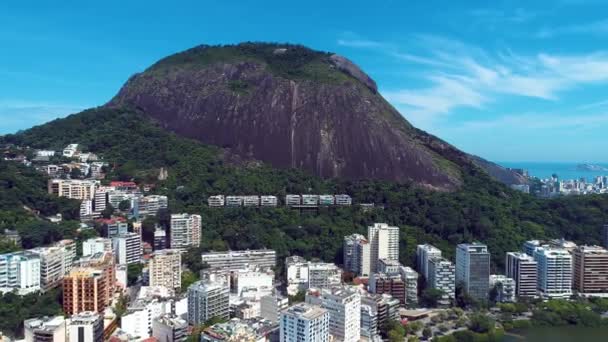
[(272, 201)]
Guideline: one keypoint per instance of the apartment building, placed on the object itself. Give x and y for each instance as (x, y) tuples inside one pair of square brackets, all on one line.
[(207, 300), (45, 329), (85, 326), (73, 188), (384, 243), (590, 273), (554, 272), (344, 308), (185, 231), (236, 260), (20, 272), (473, 269), (522, 268), (304, 323), (424, 253), (442, 276), (165, 269), (127, 248)]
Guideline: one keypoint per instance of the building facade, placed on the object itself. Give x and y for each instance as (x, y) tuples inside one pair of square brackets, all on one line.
[(384, 243), (207, 300), (20, 271), (304, 323), (236, 260), (86, 327), (442, 276), (554, 272), (185, 231), (473, 269), (127, 248), (590, 272), (424, 253), (165, 269), (522, 268)]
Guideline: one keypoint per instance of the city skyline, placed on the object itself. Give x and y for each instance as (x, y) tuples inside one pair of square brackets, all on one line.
[(524, 78)]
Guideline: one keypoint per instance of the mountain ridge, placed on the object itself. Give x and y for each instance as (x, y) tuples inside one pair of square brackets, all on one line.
[(293, 107)]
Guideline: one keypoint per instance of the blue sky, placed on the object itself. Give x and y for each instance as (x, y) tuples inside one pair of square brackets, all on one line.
[(507, 80)]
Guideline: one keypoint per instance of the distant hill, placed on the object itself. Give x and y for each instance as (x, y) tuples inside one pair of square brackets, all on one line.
[(293, 107)]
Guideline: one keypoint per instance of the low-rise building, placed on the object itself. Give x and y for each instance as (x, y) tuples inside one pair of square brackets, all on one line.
[(86, 327), (504, 287), (47, 329), (170, 328), (237, 260)]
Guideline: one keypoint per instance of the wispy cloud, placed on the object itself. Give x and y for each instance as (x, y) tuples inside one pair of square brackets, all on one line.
[(359, 43), (492, 15), (462, 75)]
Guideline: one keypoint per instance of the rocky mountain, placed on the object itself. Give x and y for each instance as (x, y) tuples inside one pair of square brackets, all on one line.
[(293, 107)]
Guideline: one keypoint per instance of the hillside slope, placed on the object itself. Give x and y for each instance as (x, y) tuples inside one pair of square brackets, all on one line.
[(482, 209), (292, 107)]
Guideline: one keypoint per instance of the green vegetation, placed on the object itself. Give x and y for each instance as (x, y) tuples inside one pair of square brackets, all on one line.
[(15, 309), (134, 271), (294, 62), (481, 210)]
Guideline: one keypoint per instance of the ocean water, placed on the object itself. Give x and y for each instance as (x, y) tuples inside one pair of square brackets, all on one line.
[(563, 170)]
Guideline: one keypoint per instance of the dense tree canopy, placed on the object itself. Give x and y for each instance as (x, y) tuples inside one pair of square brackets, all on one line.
[(481, 210)]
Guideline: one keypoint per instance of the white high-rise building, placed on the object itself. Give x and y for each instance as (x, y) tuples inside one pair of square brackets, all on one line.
[(85, 326), (127, 248), (96, 245), (554, 272), (304, 323), (442, 275), (323, 275), (206, 300), (523, 269), (423, 254), (185, 231), (20, 271), (271, 307), (357, 255), (165, 269), (344, 309), (297, 274), (237, 260), (55, 262), (384, 243), (473, 269)]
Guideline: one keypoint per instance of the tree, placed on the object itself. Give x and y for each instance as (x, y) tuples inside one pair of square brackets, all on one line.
[(297, 298), (75, 173), (134, 271), (188, 278), (415, 326), (427, 333), (107, 212), (431, 297), (124, 205), (481, 323)]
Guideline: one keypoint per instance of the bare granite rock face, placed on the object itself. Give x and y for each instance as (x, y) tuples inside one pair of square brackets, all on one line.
[(327, 119)]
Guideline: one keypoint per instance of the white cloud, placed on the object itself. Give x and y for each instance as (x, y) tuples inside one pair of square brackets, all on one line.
[(359, 43)]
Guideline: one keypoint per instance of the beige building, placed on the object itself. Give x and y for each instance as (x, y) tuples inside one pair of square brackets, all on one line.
[(590, 270), (73, 188), (166, 269)]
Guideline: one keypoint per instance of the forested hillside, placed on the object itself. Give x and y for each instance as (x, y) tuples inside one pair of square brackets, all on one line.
[(482, 209)]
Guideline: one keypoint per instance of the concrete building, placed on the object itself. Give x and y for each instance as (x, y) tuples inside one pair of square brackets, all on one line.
[(605, 235), (389, 266), (269, 201), (160, 239), (185, 231), (234, 201), (442, 276), (304, 323), (291, 200), (207, 300), (369, 323), (104, 262), (297, 274), (590, 272), (384, 243), (216, 201), (252, 283), (424, 253), (554, 272), (326, 200), (357, 255), (127, 248), (149, 205), (165, 269), (410, 277), (237, 260), (55, 262), (530, 247), (45, 329), (343, 200), (71, 150), (393, 284), (20, 271), (323, 275), (85, 289), (140, 315), (504, 286), (170, 328), (86, 327), (115, 228), (73, 188), (522, 268), (271, 307), (473, 269), (96, 245), (238, 329), (344, 308)]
